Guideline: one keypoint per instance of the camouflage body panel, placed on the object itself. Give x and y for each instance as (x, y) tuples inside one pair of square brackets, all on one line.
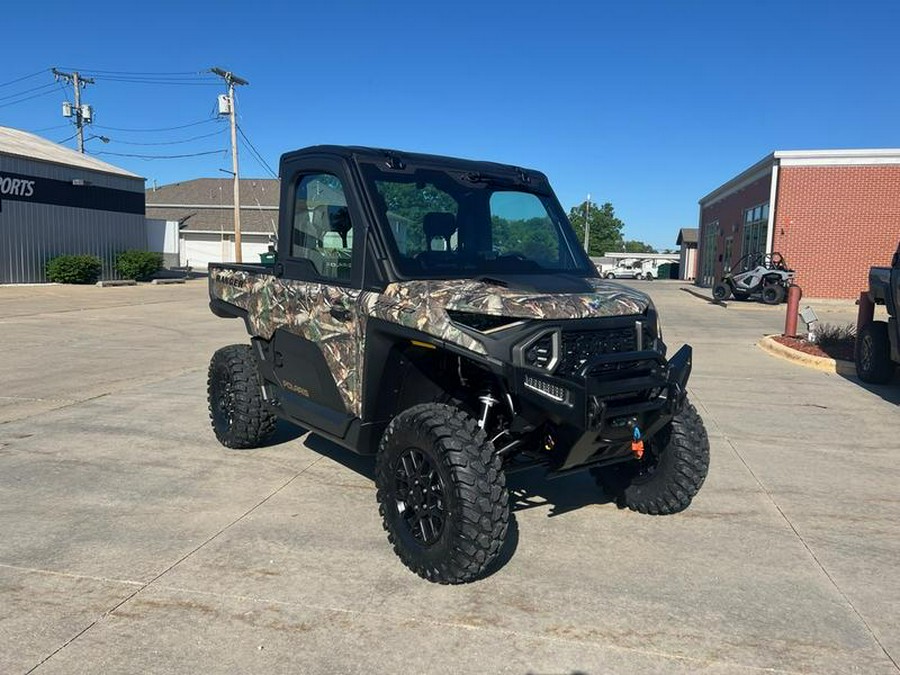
[(304, 308), (605, 299)]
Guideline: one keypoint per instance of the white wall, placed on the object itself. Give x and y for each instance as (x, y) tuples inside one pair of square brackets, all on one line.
[(162, 235)]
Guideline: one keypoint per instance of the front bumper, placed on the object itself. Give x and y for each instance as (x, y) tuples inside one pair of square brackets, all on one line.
[(589, 417)]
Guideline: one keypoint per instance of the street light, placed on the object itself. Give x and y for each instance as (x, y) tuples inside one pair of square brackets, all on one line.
[(103, 139)]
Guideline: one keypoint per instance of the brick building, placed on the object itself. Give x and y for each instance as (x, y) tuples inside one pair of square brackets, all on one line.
[(831, 214)]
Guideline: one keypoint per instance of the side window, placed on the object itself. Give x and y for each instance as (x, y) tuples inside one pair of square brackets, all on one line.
[(322, 232)]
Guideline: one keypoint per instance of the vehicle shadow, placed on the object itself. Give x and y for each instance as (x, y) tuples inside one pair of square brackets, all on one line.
[(708, 299), (532, 489), (285, 432), (890, 392)]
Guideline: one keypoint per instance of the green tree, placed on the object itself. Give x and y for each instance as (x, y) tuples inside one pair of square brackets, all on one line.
[(634, 246), (606, 228)]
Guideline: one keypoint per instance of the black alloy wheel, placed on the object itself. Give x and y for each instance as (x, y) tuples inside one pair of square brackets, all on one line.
[(420, 496)]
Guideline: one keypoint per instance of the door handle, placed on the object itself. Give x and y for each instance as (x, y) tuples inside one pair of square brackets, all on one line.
[(339, 312)]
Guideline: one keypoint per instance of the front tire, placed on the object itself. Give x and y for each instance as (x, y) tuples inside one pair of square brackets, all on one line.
[(441, 493), (240, 416), (610, 275), (721, 291), (669, 475), (873, 354), (773, 295)]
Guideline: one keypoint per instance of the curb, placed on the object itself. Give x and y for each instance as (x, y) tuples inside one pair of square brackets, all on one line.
[(166, 282), (111, 283), (822, 363)]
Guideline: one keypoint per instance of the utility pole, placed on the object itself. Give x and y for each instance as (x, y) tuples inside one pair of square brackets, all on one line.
[(81, 114), (587, 225), (231, 80)]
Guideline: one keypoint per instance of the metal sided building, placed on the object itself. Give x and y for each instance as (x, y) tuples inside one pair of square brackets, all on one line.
[(56, 201)]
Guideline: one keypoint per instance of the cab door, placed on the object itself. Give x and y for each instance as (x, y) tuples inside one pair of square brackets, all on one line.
[(317, 356)]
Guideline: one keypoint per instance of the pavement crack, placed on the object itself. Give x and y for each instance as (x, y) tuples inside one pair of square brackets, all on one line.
[(799, 536), (175, 564)]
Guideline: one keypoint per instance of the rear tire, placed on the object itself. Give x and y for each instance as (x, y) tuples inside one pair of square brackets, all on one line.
[(873, 354), (773, 295), (240, 416), (670, 474), (441, 493), (721, 291)]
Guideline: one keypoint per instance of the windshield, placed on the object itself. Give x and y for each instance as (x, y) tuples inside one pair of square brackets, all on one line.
[(451, 224)]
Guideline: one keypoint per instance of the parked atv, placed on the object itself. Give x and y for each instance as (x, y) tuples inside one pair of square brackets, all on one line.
[(760, 276)]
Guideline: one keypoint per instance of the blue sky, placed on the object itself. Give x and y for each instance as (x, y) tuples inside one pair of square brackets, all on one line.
[(646, 104)]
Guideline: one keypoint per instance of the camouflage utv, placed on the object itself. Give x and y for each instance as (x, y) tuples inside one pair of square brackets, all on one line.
[(440, 314)]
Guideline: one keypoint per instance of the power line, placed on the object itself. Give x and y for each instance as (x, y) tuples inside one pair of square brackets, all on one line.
[(24, 77), (28, 91), (193, 154), (184, 140), (130, 72), (58, 126), (182, 126), (256, 153), (127, 80), (27, 98)]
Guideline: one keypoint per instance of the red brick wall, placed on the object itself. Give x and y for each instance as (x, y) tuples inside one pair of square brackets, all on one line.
[(730, 214), (833, 222)]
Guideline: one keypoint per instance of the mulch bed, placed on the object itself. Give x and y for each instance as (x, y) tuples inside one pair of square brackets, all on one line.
[(842, 351)]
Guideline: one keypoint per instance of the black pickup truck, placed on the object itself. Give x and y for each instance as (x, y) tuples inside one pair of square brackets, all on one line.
[(878, 342), (440, 314)]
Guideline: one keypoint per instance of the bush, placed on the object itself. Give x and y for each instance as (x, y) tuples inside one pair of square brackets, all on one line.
[(834, 335), (74, 269), (139, 265)]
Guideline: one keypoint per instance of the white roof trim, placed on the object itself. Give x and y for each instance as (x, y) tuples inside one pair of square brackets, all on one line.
[(18, 143), (849, 157)]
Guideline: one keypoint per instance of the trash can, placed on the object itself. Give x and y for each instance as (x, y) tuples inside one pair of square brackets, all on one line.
[(267, 258)]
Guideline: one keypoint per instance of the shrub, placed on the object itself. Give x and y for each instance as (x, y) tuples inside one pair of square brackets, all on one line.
[(834, 335), (74, 269), (138, 265)]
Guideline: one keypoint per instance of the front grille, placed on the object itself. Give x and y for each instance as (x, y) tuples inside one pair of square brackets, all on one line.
[(579, 346)]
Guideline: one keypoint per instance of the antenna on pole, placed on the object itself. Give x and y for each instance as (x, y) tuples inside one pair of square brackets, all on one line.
[(227, 106)]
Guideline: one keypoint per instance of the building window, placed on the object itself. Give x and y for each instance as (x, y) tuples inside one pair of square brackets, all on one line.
[(710, 233), (756, 229)]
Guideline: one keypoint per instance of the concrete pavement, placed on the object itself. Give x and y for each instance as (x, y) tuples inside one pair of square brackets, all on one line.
[(130, 540)]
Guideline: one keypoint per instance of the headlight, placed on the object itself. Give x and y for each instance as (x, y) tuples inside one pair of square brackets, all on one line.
[(541, 351)]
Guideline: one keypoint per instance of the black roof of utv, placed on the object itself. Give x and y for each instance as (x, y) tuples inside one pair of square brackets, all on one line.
[(395, 159)]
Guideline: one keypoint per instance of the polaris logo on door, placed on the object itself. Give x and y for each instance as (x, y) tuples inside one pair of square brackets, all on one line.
[(16, 187)]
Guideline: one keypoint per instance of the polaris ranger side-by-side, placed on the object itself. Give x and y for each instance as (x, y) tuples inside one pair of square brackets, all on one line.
[(440, 314)]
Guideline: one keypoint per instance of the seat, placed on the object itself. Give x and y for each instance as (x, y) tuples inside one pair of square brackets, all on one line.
[(437, 225)]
